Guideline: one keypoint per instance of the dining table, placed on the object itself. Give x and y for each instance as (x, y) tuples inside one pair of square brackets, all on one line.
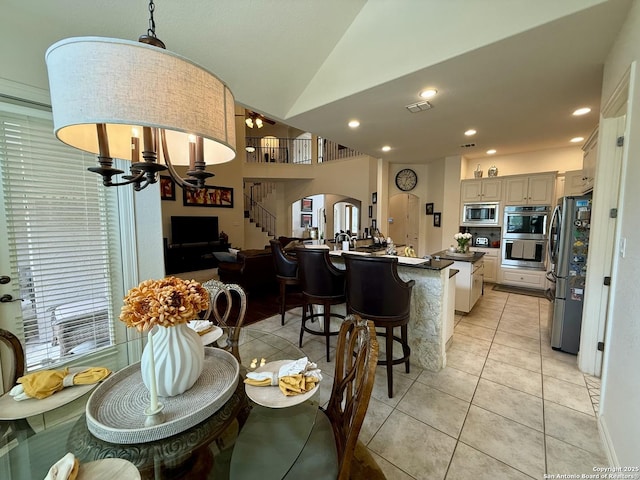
[(218, 447)]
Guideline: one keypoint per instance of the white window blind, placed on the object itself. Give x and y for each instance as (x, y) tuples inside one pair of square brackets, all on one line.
[(64, 241)]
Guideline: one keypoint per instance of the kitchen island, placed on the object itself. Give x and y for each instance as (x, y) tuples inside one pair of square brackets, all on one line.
[(431, 307), (470, 279)]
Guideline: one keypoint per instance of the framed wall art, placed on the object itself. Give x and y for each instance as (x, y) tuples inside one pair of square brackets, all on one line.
[(208, 197), (374, 197), (374, 224), (305, 220), (167, 188), (370, 211), (429, 209), (436, 219), (306, 205)]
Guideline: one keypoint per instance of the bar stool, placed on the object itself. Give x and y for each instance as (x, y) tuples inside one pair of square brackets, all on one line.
[(376, 292), (286, 273), (322, 284)]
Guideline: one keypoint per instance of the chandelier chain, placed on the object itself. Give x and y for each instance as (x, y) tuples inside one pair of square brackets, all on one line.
[(151, 31)]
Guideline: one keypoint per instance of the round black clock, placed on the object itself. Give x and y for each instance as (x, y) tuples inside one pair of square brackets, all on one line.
[(406, 179)]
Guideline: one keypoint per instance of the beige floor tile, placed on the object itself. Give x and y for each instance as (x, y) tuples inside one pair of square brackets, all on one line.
[(465, 361), (435, 408), (469, 463), (567, 394), (389, 469), (400, 386), (515, 356), (377, 413), (514, 377), (570, 426), (469, 344), (517, 341), (512, 443), (530, 332), (563, 458), (400, 439), (512, 404), (489, 321), (562, 370), (452, 381), (475, 331)]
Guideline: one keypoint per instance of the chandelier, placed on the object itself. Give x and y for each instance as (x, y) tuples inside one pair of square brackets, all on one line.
[(137, 101)]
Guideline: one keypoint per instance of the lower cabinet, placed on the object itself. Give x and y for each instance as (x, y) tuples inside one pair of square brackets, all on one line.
[(522, 277), (468, 284), (491, 261)]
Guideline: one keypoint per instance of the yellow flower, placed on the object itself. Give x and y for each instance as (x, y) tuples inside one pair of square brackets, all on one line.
[(164, 302)]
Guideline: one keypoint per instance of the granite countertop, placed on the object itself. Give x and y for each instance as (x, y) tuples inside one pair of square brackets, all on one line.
[(444, 254), (409, 262)]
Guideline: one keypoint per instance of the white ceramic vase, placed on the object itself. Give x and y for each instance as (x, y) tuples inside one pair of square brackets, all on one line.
[(179, 359)]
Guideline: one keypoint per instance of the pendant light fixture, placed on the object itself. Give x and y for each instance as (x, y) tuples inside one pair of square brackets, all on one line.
[(136, 100)]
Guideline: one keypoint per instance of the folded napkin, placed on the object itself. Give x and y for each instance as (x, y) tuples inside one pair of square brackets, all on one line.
[(64, 469), (201, 326), (293, 378), (45, 383)]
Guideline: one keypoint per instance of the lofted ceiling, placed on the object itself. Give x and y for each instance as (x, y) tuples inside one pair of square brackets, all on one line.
[(514, 70)]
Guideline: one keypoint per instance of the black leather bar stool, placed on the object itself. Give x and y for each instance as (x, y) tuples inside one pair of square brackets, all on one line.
[(376, 292), (322, 284), (286, 273)]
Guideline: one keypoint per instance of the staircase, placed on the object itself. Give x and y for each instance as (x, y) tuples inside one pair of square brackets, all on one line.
[(254, 209)]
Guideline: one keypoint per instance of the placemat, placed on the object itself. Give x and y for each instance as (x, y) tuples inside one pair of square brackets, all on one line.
[(115, 410)]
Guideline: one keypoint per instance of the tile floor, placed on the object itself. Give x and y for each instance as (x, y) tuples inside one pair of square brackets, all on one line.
[(507, 406)]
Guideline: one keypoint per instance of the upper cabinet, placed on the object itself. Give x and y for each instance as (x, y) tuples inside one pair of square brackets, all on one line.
[(482, 190), (590, 149), (530, 189)]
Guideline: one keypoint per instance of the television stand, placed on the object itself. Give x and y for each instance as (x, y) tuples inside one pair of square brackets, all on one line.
[(189, 257)]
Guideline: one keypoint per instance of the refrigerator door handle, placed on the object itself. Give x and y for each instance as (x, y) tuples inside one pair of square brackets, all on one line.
[(550, 244)]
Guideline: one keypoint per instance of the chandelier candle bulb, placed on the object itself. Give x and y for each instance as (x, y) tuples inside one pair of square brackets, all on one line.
[(192, 154), (135, 148)]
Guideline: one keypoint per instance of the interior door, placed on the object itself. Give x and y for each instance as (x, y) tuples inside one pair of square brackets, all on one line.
[(404, 210)]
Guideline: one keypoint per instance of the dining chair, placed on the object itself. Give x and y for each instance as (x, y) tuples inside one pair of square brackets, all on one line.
[(227, 308), (322, 284), (19, 429), (376, 292), (286, 273)]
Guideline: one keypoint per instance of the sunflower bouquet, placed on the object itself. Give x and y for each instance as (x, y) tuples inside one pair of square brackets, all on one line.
[(166, 302)]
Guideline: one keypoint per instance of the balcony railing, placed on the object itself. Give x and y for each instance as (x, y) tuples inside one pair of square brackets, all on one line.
[(278, 150), (294, 150)]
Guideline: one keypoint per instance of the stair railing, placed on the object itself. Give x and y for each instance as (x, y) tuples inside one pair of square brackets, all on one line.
[(260, 216)]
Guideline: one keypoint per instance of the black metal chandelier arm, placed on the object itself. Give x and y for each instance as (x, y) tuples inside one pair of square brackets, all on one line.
[(198, 182)]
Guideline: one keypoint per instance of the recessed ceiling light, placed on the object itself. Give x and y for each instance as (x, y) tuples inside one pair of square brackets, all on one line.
[(386, 148), (354, 123), (470, 132), (576, 139), (428, 93), (582, 111), (491, 152)]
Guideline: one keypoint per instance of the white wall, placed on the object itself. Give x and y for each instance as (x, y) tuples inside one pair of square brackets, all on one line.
[(619, 410)]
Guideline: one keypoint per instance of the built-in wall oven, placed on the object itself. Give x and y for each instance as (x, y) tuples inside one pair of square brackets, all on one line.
[(524, 237)]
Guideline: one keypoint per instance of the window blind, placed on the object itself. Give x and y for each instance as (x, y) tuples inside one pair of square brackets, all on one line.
[(63, 239)]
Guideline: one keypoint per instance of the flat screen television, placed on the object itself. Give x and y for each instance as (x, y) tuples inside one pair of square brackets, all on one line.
[(194, 229)]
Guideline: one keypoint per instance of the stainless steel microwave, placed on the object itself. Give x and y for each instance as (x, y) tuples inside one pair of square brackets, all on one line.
[(480, 214)]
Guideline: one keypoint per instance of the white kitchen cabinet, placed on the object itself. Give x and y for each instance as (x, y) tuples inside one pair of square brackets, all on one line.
[(574, 183), (491, 262), (522, 277), (590, 149), (481, 190), (530, 189), (468, 284), (450, 302)]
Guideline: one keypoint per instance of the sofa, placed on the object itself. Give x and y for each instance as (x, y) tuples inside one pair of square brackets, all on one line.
[(253, 270)]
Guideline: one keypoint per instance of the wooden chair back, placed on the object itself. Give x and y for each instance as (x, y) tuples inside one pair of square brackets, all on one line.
[(15, 365), (355, 368), (227, 308)]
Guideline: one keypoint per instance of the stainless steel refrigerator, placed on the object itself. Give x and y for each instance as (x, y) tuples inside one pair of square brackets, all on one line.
[(568, 250)]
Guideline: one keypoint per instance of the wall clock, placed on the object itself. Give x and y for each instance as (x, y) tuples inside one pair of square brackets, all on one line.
[(406, 179)]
